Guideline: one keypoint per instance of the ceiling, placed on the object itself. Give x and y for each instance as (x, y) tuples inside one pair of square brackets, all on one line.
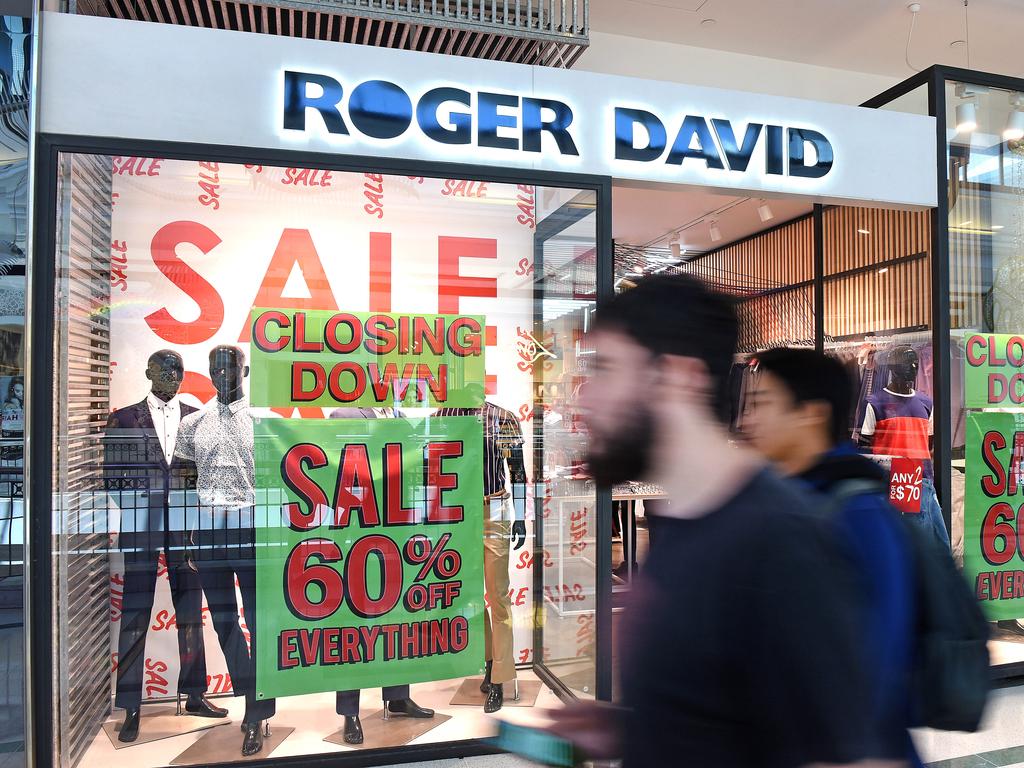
[(858, 35), (642, 216)]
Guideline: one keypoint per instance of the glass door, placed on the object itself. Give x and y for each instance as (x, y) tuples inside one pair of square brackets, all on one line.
[(570, 551)]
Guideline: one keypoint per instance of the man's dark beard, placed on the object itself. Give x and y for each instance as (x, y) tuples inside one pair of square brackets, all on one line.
[(627, 455)]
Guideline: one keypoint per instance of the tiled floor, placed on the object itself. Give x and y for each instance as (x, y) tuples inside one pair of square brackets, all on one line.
[(1000, 742)]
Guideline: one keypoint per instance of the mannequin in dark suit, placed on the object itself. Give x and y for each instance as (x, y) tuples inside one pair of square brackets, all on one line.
[(139, 478), (396, 697)]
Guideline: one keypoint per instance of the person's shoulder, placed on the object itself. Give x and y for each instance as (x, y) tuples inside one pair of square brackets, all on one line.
[(189, 420)]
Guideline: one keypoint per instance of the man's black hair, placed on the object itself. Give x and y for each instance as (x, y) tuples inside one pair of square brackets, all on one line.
[(813, 377), (679, 315)]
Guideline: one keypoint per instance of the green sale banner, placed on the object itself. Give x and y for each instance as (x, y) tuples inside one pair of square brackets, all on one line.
[(994, 512), (303, 358), (993, 371), (371, 571)]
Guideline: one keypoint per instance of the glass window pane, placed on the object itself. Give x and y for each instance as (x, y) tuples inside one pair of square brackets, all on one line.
[(301, 416)]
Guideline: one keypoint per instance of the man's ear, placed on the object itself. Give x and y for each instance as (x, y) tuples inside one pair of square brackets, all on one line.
[(816, 412), (685, 378)]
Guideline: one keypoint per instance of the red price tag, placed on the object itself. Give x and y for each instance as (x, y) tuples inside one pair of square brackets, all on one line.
[(905, 480)]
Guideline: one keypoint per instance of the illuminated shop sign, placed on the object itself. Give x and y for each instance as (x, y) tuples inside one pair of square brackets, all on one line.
[(383, 110)]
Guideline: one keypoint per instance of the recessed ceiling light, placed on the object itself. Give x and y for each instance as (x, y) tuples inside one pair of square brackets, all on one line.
[(966, 223), (864, 231), (708, 23), (883, 270), (955, 43), (997, 226)]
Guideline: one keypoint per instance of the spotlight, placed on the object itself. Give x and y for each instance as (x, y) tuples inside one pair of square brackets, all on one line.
[(765, 212), (1014, 130), (716, 233), (966, 117), (677, 250)]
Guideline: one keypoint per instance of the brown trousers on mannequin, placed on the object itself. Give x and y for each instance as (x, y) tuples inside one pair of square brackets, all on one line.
[(498, 619)]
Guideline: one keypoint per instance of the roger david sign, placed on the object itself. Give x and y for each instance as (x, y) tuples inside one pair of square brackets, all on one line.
[(371, 572)]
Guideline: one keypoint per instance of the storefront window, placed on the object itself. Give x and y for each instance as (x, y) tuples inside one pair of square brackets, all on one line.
[(304, 423), (985, 162)]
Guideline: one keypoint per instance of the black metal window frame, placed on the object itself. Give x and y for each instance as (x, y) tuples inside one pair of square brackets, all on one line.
[(39, 449)]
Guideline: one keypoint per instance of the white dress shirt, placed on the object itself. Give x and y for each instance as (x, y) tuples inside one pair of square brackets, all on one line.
[(166, 418)]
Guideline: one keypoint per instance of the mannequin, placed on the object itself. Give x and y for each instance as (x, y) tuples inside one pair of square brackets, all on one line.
[(504, 522), (396, 697), (898, 422), (138, 445), (219, 439)]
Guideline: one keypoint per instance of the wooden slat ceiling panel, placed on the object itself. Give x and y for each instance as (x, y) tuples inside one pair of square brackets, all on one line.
[(324, 25)]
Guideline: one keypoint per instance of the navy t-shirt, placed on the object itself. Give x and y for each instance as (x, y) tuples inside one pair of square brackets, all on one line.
[(742, 640)]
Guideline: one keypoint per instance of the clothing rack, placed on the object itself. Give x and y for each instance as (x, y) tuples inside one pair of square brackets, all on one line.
[(913, 335)]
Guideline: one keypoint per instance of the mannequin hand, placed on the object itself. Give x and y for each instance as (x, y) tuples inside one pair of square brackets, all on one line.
[(519, 533)]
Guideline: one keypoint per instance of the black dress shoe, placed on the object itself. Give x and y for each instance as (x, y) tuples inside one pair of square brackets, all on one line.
[(495, 698), (353, 730), (409, 708), (487, 678), (130, 727), (252, 743), (199, 706)]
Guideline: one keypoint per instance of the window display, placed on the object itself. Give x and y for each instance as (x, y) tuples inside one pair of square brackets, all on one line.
[(303, 428)]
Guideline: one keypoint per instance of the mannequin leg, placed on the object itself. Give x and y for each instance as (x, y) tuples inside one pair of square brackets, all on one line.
[(218, 580), (496, 581), (187, 596), (256, 709), (136, 606)]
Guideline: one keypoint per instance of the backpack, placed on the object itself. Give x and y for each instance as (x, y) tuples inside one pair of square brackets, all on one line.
[(951, 676)]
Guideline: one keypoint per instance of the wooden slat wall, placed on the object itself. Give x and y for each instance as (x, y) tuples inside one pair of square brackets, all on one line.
[(781, 257), (81, 403), (871, 301)]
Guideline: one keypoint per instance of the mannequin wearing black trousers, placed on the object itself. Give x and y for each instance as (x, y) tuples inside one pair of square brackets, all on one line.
[(135, 460), (220, 440), (396, 697)]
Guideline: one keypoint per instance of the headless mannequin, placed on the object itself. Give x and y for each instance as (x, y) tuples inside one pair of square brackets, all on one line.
[(132, 442)]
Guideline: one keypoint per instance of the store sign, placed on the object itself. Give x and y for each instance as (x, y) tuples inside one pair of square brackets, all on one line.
[(271, 92), (320, 358), (994, 512), (906, 479), (371, 573), (994, 371), (379, 109)]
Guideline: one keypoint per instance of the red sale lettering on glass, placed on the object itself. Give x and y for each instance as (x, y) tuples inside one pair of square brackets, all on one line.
[(525, 655), (255, 168), (518, 596), (578, 531), (453, 188), (207, 617), (136, 166), (417, 179), (161, 566), (526, 201), (116, 596), (306, 177), (524, 267), (373, 191), (209, 183), (113, 198), (119, 265), (156, 683), (219, 683), (165, 620), (113, 662)]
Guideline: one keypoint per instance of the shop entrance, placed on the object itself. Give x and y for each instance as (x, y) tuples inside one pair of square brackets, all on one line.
[(853, 282)]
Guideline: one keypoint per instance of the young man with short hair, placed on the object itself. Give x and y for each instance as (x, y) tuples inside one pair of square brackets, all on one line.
[(741, 646), (799, 418)]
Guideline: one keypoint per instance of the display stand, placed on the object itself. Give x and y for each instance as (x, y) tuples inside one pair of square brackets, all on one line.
[(159, 723), (224, 745), (394, 731), (469, 695)]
